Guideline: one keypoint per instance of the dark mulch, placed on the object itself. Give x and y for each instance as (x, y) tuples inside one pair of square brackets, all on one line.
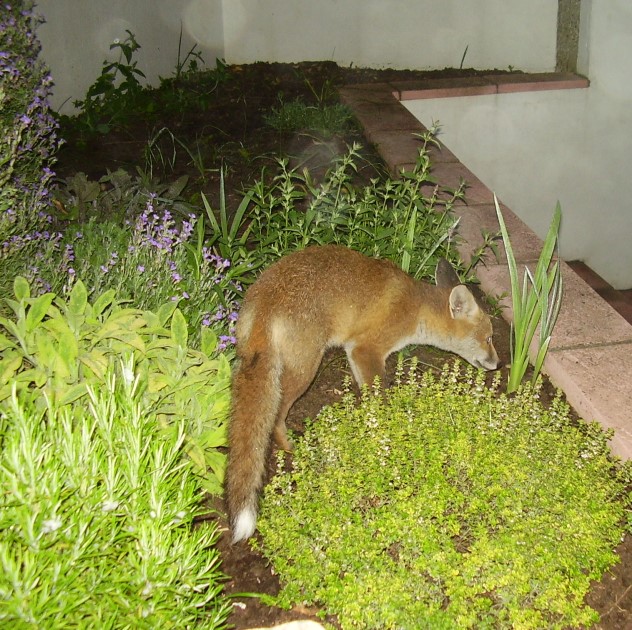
[(229, 132)]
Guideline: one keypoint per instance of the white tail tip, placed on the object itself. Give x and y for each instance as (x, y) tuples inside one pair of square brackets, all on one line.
[(244, 525)]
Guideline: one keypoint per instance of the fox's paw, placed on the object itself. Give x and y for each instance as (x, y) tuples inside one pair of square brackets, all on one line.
[(244, 525)]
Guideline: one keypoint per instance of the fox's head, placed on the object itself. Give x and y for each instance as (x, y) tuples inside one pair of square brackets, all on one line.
[(470, 332)]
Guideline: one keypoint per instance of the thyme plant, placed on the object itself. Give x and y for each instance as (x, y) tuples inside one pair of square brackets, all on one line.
[(443, 503)]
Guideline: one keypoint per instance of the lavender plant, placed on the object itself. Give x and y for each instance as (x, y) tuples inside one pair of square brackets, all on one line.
[(28, 143), (153, 260)]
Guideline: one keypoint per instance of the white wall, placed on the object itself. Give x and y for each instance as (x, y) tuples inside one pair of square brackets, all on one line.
[(77, 35), (418, 34), (573, 145)]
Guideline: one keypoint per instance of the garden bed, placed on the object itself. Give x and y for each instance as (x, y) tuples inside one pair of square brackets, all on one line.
[(229, 132)]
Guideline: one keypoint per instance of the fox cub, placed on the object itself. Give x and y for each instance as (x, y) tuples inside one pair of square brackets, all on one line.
[(312, 300)]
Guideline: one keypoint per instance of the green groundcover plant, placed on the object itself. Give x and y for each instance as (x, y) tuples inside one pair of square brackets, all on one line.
[(445, 504)]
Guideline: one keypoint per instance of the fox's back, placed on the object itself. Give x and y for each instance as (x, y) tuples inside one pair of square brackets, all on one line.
[(325, 291)]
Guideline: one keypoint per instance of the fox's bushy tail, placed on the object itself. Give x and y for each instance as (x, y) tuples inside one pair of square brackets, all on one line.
[(256, 397)]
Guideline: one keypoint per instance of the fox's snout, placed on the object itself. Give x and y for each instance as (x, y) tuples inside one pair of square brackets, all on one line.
[(490, 362)]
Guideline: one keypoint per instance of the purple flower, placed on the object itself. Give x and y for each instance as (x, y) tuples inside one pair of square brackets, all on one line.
[(225, 341)]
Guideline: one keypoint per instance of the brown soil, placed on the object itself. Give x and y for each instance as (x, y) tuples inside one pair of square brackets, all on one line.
[(229, 132)]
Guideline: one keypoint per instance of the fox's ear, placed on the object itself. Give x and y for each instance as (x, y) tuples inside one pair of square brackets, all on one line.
[(445, 276), (462, 303)]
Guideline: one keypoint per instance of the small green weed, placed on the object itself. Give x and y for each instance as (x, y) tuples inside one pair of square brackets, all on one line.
[(116, 90), (325, 119), (118, 95), (443, 503)]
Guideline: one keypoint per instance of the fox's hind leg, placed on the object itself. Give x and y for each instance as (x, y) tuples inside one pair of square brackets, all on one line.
[(295, 381)]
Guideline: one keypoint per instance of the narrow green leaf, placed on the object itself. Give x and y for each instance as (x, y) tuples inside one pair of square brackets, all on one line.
[(128, 338), (103, 301), (78, 298), (214, 437), (9, 367), (96, 362), (17, 330), (166, 311), (196, 453), (69, 351), (73, 393), (6, 343), (158, 382), (209, 341), (216, 461)]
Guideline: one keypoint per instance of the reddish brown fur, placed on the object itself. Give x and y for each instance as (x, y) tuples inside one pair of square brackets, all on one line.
[(315, 299)]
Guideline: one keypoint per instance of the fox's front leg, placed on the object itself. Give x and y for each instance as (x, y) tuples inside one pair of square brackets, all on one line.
[(366, 363)]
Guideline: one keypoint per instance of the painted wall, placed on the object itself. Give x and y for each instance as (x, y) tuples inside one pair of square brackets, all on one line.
[(417, 34), (573, 145)]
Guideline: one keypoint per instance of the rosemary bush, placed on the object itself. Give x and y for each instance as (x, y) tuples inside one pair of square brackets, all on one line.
[(97, 510), (445, 504)]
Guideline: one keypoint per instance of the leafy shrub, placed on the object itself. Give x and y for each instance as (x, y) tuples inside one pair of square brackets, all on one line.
[(407, 220), (116, 91), (28, 142), (61, 348), (442, 504), (118, 95), (97, 511)]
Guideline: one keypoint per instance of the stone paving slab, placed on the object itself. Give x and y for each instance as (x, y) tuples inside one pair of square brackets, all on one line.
[(596, 381)]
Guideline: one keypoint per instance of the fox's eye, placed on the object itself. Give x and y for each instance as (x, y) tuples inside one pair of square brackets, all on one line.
[(489, 341)]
